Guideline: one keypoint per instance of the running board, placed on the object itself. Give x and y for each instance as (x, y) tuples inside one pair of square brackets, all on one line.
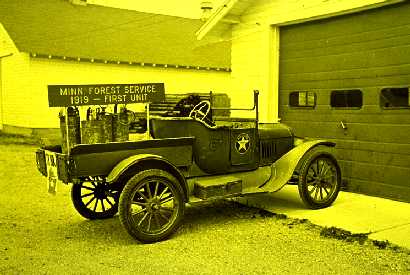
[(221, 186)]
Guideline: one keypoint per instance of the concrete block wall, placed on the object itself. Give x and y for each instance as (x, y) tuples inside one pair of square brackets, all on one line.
[(9, 56), (17, 96), (253, 67), (26, 100)]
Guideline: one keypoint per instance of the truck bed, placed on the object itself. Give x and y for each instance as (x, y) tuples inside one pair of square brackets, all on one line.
[(99, 159)]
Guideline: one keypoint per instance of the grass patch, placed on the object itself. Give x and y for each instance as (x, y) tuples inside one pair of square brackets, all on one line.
[(6, 138), (341, 234), (381, 244)]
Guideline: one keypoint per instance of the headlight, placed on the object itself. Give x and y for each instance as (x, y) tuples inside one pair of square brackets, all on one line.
[(297, 141)]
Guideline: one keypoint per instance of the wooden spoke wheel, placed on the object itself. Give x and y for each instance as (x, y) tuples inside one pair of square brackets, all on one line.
[(151, 205), (319, 180), (93, 198)]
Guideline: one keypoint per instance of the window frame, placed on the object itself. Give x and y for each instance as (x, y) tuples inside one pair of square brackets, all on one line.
[(306, 97), (395, 107), (346, 107)]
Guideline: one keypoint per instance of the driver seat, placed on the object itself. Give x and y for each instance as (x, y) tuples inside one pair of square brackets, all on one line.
[(174, 127), (211, 148)]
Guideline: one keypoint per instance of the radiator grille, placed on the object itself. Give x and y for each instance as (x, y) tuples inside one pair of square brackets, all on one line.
[(267, 151)]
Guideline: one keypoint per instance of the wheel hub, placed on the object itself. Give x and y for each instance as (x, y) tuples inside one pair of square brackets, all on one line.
[(101, 191), (154, 204)]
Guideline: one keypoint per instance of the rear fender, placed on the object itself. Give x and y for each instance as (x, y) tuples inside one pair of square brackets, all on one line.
[(283, 168), (128, 167)]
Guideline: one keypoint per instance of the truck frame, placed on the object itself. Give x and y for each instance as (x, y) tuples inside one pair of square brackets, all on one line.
[(189, 160)]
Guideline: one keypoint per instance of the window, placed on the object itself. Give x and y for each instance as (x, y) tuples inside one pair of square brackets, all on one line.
[(394, 98), (302, 99), (346, 99)]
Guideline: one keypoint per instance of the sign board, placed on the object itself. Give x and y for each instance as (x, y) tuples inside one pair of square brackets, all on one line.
[(104, 94)]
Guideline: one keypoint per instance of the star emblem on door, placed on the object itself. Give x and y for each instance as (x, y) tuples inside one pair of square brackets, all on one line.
[(242, 143)]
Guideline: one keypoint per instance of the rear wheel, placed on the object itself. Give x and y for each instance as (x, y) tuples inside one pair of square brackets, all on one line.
[(319, 179), (94, 199), (151, 205)]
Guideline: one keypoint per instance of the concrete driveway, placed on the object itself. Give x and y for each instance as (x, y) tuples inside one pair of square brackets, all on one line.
[(383, 219)]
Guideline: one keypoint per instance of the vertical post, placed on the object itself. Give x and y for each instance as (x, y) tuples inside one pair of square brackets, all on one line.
[(273, 84), (269, 73), (1, 101), (148, 126), (256, 106), (211, 104), (67, 131)]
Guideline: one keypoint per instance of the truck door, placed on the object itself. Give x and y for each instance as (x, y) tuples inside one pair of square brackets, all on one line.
[(243, 147)]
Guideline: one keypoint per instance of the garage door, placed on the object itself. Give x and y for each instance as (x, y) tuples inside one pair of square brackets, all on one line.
[(347, 79)]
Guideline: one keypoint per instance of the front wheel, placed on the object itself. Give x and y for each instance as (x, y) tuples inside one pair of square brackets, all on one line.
[(151, 205), (319, 179)]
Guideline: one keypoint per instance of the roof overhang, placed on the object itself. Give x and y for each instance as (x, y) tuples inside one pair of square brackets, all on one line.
[(215, 17), (7, 46), (122, 62), (232, 10)]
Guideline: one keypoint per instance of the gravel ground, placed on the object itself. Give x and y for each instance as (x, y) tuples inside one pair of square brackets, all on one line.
[(42, 234)]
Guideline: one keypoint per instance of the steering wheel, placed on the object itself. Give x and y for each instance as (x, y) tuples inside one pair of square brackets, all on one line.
[(200, 111)]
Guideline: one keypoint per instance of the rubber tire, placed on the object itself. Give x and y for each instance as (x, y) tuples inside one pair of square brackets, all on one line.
[(126, 198), (311, 156), (86, 212)]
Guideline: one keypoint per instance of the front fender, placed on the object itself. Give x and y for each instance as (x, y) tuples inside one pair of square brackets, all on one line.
[(146, 161), (283, 168)]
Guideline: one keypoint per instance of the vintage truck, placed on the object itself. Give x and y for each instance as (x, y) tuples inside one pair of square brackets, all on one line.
[(188, 160)]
